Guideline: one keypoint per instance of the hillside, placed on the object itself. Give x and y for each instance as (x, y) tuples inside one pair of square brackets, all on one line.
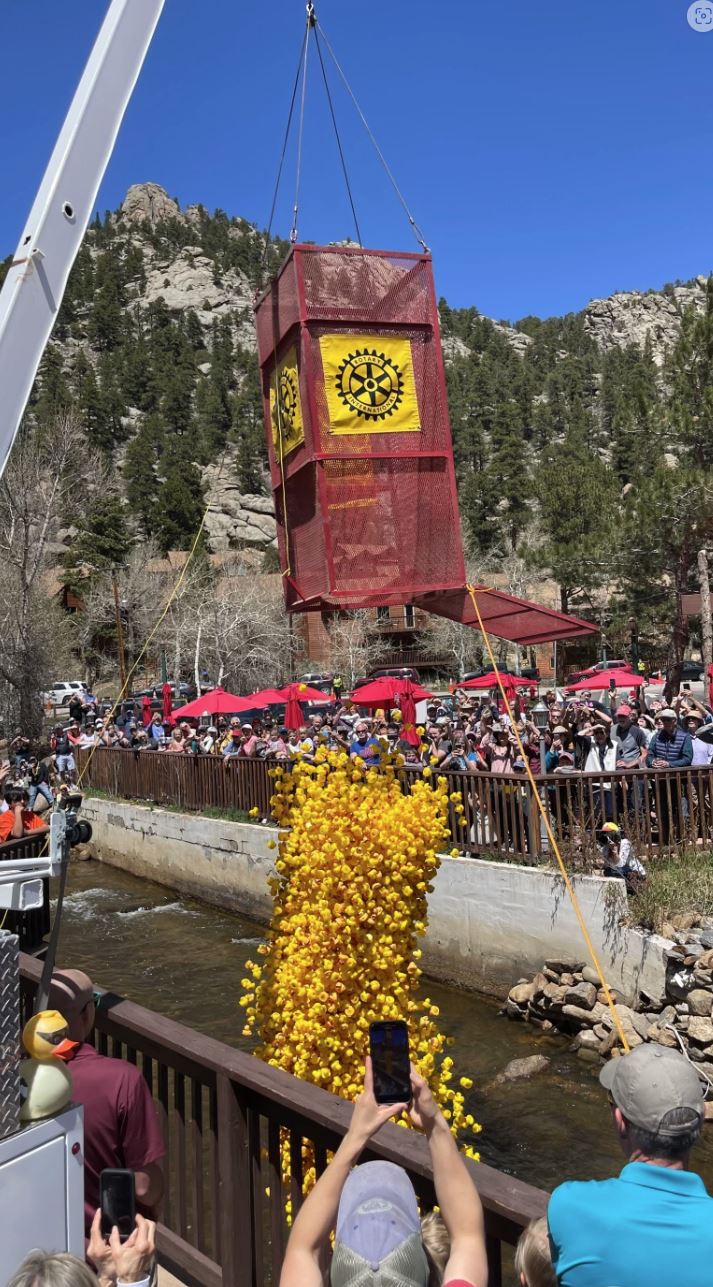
[(555, 421)]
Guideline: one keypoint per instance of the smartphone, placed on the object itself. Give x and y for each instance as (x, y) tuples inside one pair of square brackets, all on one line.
[(612, 684), (390, 1061), (117, 1199)]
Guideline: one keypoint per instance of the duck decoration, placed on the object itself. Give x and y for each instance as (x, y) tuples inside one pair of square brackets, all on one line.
[(47, 1084)]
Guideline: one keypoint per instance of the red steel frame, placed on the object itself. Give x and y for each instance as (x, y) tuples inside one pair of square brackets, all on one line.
[(299, 333)]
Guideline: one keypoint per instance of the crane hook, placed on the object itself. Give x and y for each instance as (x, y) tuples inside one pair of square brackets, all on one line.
[(311, 15)]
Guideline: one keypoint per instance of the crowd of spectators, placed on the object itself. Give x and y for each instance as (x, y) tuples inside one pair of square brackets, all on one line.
[(586, 746)]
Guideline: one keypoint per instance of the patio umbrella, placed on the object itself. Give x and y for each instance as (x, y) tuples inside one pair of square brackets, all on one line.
[(510, 682), (265, 697), (389, 691), (167, 696), (293, 695), (145, 711), (622, 679), (381, 692), (217, 702)]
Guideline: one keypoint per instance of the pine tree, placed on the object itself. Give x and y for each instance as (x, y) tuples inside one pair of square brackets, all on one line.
[(180, 506), (141, 473)]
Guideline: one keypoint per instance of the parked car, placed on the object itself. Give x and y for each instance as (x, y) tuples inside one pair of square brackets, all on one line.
[(61, 693), (394, 672), (324, 682), (577, 675), (691, 672)]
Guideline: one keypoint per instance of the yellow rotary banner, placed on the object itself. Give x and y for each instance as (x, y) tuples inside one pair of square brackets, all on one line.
[(369, 384), (287, 414)]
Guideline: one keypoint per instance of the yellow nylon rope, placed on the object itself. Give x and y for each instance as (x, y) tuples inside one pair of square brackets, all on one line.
[(152, 634), (550, 835), (281, 455)]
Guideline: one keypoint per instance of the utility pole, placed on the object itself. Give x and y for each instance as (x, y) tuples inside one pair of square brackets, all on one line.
[(119, 631), (706, 626)]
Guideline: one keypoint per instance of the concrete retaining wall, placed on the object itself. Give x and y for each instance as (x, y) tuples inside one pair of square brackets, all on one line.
[(489, 923)]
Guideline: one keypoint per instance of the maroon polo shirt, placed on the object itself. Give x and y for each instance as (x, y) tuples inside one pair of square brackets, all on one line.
[(120, 1124)]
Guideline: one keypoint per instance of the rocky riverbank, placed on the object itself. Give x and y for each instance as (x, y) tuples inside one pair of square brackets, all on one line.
[(566, 998)]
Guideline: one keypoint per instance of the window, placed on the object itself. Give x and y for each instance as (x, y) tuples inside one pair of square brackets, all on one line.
[(382, 615), (409, 616)]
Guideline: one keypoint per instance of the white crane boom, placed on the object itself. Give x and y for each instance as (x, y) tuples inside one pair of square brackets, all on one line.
[(35, 284)]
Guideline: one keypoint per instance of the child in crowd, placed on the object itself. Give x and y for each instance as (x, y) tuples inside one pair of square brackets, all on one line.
[(619, 857), (533, 1261)]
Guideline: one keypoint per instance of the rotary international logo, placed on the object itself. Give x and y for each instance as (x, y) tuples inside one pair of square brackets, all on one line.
[(370, 384)]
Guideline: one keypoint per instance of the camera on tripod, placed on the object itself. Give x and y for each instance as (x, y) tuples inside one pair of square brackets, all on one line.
[(77, 830)]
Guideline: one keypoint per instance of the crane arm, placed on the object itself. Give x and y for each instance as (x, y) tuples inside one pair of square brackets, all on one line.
[(35, 284)]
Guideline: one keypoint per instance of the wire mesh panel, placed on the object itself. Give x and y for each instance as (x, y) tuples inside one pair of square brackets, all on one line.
[(359, 438)]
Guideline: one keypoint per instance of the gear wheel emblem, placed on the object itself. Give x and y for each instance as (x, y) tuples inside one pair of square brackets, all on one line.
[(370, 383), (285, 405)]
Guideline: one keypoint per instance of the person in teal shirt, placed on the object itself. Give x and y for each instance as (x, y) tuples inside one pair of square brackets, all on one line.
[(653, 1225)]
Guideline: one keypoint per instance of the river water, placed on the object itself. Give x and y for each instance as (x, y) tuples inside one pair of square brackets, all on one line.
[(185, 960)]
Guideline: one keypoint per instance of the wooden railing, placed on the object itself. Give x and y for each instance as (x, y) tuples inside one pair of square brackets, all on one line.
[(654, 807), (226, 1117)]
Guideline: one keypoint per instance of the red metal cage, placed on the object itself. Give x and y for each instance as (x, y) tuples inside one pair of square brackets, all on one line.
[(359, 439)]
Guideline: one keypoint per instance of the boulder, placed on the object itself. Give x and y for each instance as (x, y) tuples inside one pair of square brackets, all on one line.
[(662, 1036), (700, 1030), (589, 974), (700, 1002), (520, 1069), (554, 993), (707, 939), (705, 960), (521, 993), (589, 1017), (602, 996), (539, 983), (632, 1019), (563, 966), (684, 920), (587, 1040), (582, 994), (567, 979)]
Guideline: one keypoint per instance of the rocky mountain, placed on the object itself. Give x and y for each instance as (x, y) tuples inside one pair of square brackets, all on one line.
[(155, 348)]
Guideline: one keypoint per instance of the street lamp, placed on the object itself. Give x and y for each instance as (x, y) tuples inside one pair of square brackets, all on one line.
[(541, 718), (633, 626)]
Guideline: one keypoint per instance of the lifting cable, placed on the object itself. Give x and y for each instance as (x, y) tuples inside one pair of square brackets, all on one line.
[(300, 131), (548, 829), (319, 30), (312, 26)]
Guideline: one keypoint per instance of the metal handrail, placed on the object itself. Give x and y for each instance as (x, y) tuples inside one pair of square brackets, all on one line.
[(226, 1116)]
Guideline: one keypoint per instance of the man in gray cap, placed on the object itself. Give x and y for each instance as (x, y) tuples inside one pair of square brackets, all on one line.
[(653, 1225)]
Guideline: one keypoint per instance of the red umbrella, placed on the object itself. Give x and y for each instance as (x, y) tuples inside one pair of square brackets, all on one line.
[(146, 711), (217, 702), (510, 682), (292, 695), (622, 679), (167, 703), (389, 690), (381, 692), (266, 697)]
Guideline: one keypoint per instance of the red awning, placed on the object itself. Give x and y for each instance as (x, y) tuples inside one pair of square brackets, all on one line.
[(503, 615)]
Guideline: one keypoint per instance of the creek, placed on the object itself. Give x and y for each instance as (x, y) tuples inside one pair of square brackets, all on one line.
[(185, 960)]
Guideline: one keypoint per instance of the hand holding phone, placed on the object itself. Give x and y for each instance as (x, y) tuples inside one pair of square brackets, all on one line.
[(117, 1199), (390, 1061)]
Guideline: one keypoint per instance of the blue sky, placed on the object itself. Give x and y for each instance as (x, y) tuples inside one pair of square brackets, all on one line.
[(552, 152)]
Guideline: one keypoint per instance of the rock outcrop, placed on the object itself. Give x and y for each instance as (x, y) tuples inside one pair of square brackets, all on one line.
[(630, 317), (148, 203), (235, 519)]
